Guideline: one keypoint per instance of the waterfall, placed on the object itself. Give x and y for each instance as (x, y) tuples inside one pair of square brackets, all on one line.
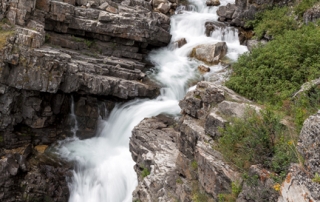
[(74, 120), (104, 169)]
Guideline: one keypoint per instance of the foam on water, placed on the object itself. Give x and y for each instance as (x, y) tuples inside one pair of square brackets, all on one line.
[(104, 171)]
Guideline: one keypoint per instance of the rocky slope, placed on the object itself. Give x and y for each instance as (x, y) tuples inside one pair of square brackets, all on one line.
[(180, 156), (182, 163), (52, 51)]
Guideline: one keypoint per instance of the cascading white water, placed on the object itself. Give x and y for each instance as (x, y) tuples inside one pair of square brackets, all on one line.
[(104, 170), (74, 120)]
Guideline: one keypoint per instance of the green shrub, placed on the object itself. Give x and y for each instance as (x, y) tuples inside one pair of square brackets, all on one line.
[(145, 172), (316, 178), (257, 139), (194, 165), (275, 71), (306, 104), (232, 197), (199, 197), (272, 22)]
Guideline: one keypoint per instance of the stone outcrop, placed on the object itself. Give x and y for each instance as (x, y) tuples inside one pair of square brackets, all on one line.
[(312, 14), (240, 12), (153, 148), (259, 186), (179, 43), (308, 143), (210, 53), (213, 3), (33, 174), (300, 184), (251, 44)]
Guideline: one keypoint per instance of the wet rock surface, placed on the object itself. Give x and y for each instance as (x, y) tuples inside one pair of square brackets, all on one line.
[(210, 53)]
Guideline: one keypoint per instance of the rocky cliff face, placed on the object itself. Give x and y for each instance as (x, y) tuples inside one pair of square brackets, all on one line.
[(180, 155), (178, 160), (51, 51)]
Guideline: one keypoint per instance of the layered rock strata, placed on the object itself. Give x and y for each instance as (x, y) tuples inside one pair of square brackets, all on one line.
[(51, 51)]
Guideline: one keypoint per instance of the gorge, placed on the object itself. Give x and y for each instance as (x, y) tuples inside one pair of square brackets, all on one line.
[(105, 168), (126, 101)]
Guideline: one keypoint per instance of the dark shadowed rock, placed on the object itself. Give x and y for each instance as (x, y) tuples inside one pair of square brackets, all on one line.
[(203, 69), (181, 42), (213, 3)]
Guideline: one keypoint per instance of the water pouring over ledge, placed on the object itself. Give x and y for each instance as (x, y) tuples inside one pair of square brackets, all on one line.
[(104, 171)]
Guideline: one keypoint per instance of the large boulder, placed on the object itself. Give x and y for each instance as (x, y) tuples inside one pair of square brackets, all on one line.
[(309, 142), (217, 117), (210, 53), (298, 186), (312, 14), (213, 3)]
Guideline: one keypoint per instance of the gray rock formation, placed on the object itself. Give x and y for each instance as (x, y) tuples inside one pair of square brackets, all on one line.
[(308, 143), (312, 14), (210, 53), (50, 50), (299, 184), (251, 44), (240, 12), (153, 148), (33, 174)]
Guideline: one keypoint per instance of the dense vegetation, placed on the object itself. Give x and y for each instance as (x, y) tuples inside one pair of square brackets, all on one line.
[(272, 22), (273, 72), (271, 75), (258, 138)]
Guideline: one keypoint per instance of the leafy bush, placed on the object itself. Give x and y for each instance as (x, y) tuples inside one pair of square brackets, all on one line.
[(257, 139), (145, 172), (316, 178), (306, 104), (272, 22), (275, 71), (194, 165), (232, 197)]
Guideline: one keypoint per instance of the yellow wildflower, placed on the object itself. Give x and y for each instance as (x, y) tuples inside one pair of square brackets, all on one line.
[(277, 187), (290, 142)]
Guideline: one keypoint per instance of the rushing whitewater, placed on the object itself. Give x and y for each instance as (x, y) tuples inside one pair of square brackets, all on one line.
[(104, 170)]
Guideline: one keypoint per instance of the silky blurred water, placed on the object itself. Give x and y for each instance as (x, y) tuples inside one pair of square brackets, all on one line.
[(104, 171)]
